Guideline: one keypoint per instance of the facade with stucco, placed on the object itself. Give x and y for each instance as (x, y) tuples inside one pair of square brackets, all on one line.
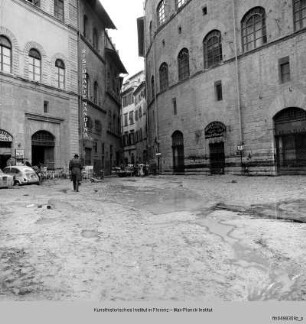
[(226, 85), (42, 119)]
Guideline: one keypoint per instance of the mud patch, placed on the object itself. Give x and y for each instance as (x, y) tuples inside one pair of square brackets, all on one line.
[(90, 234)]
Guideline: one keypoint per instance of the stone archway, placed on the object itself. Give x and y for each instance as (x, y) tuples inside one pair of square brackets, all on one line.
[(178, 152), (43, 144), (290, 140)]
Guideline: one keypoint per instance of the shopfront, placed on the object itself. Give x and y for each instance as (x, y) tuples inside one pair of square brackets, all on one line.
[(6, 140), (290, 140)]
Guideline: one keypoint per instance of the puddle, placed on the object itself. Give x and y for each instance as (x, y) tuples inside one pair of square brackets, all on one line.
[(90, 233), (43, 221)]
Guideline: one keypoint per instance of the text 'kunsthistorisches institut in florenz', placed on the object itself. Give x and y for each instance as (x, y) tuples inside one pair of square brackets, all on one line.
[(226, 85), (59, 83)]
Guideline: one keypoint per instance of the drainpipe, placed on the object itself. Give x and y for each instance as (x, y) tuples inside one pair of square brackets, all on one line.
[(155, 104), (237, 78)]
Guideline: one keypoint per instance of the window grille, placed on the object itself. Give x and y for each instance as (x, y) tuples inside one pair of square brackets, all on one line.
[(60, 73), (212, 49), (183, 64), (163, 76), (299, 14), (5, 54), (34, 65), (161, 17), (59, 9), (253, 28)]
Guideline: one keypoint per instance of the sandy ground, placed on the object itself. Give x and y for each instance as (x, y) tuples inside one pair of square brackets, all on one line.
[(163, 238)]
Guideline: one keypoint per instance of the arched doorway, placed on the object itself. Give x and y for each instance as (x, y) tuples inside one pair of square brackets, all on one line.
[(43, 144), (290, 140), (215, 134), (178, 152)]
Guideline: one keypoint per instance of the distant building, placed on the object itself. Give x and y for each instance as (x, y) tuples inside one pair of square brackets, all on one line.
[(134, 120), (42, 107), (226, 85)]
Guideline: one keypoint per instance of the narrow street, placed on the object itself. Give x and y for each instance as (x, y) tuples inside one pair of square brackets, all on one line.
[(163, 238)]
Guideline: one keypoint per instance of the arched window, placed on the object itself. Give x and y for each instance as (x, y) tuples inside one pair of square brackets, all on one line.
[(212, 49), (253, 27), (151, 31), (34, 65), (59, 9), (299, 14), (183, 64), (96, 87), (85, 25), (179, 3), (5, 54), (152, 87), (163, 76), (161, 17), (60, 73), (95, 39)]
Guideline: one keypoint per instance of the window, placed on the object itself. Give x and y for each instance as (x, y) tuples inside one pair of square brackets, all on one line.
[(174, 106), (152, 87), (131, 117), (253, 27), (85, 25), (59, 9), (136, 115), (218, 90), (183, 64), (95, 146), (35, 2), (60, 73), (87, 85), (95, 39), (163, 76), (34, 65), (98, 126), (212, 49), (140, 112), (161, 13), (204, 10), (46, 106), (126, 119), (132, 137), (5, 55), (284, 69), (299, 14), (179, 3), (89, 123), (150, 31), (96, 87)]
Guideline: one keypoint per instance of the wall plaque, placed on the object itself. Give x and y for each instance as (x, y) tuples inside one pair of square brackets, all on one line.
[(5, 136), (215, 129)]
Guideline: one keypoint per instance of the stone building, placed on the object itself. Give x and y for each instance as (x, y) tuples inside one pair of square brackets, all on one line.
[(100, 138), (41, 82), (226, 85), (134, 120)]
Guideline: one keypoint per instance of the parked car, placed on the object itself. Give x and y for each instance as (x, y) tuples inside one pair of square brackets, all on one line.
[(22, 174), (6, 180)]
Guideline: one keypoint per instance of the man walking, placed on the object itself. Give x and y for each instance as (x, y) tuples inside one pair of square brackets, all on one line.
[(75, 167)]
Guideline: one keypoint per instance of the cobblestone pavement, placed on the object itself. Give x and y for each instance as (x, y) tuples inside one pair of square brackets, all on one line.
[(163, 238)]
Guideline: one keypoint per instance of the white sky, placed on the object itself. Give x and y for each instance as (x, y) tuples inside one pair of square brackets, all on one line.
[(124, 14)]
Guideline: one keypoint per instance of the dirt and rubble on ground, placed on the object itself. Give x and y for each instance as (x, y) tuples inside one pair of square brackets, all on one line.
[(162, 238)]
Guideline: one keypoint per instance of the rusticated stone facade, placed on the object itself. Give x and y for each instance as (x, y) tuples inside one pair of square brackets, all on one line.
[(232, 97)]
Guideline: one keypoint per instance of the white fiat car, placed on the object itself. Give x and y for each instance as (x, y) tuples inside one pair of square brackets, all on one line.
[(6, 180), (22, 174)]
